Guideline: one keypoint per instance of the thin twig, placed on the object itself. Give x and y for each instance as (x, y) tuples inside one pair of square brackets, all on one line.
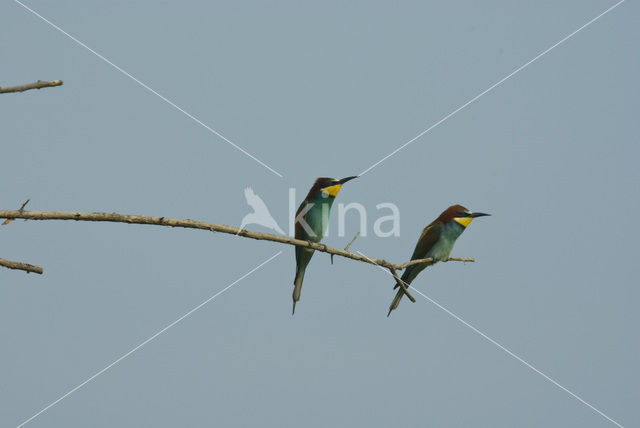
[(9, 220), (348, 245), (402, 284), (35, 85), (193, 224), (429, 260), (352, 241), (21, 266)]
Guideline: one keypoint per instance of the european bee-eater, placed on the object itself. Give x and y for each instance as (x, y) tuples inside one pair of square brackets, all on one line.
[(311, 223), (436, 241)]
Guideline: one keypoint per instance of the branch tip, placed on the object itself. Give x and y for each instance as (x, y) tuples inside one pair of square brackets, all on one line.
[(21, 266), (36, 85)]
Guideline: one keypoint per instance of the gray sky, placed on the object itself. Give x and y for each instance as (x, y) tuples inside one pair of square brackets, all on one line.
[(321, 90)]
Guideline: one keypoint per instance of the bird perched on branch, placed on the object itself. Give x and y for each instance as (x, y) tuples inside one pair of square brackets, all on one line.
[(311, 223), (436, 241)]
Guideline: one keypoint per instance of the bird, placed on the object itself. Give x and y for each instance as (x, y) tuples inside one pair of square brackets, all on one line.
[(260, 214), (436, 242), (311, 222)]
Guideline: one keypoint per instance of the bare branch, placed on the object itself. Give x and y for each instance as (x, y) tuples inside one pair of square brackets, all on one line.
[(21, 266), (402, 284), (194, 224), (9, 220), (429, 260), (35, 85)]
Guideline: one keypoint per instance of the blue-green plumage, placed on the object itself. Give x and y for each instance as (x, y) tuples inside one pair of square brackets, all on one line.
[(436, 242), (311, 223), (440, 251), (316, 218)]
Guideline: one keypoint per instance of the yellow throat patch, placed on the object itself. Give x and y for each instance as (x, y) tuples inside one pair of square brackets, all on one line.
[(332, 190), (463, 221)]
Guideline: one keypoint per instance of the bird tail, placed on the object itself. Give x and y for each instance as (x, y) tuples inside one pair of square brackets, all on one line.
[(297, 288), (396, 301)]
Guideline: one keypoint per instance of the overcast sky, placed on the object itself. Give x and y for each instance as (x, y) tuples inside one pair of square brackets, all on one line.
[(313, 90)]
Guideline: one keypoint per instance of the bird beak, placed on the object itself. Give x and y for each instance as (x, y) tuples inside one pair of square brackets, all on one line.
[(473, 215), (344, 180), (334, 189)]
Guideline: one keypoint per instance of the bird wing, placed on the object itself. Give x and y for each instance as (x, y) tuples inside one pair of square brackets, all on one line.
[(427, 239), (299, 230), (425, 243)]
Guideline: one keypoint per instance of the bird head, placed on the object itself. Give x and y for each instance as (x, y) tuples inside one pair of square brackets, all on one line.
[(327, 187), (460, 215)]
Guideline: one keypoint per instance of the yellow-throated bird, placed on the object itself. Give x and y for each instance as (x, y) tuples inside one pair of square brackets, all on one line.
[(311, 223), (436, 241)]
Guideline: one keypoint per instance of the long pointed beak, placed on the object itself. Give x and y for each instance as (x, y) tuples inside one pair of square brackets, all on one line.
[(344, 180), (478, 215)]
